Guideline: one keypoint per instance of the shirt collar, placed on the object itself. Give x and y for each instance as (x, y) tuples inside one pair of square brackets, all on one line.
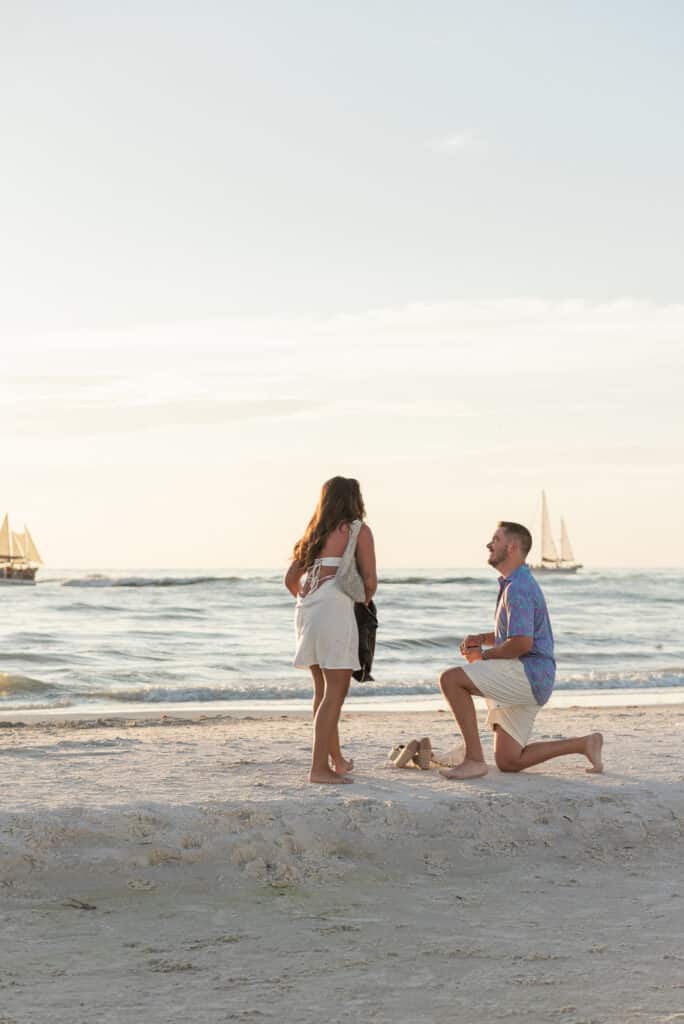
[(520, 571)]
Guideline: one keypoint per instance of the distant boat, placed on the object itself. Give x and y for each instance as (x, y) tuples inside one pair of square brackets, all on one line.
[(550, 560), (19, 557)]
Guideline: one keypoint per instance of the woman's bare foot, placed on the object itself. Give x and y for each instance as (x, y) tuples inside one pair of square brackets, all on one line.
[(342, 765), (593, 749), (329, 778), (467, 769)]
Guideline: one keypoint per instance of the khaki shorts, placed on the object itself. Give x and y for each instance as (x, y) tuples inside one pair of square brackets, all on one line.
[(506, 688)]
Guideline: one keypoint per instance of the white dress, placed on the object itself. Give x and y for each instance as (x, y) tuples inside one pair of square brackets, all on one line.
[(325, 625)]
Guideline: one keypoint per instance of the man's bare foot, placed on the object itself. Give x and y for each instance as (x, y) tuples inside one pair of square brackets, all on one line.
[(329, 778), (342, 765), (467, 769), (593, 749)]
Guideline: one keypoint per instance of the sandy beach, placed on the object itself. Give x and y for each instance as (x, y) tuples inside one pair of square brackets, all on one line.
[(159, 869)]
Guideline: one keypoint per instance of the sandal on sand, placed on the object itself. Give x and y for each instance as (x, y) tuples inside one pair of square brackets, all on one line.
[(402, 760), (424, 754), (395, 752)]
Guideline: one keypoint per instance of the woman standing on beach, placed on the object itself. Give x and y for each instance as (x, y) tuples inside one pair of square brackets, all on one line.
[(325, 624)]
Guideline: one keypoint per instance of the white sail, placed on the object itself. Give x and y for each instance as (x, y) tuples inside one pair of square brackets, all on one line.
[(549, 552), (30, 548), (566, 548), (18, 549), (5, 544)]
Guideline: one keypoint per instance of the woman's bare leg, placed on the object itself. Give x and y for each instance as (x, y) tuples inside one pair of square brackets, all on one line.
[(340, 763), (318, 685), (326, 725)]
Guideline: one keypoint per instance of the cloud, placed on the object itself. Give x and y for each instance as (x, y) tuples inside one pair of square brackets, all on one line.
[(100, 418), (454, 142), (259, 368)]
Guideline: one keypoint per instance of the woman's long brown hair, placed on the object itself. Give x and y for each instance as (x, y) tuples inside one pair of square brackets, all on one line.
[(340, 502)]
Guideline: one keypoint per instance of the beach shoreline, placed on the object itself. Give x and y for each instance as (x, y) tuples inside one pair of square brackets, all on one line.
[(355, 704)]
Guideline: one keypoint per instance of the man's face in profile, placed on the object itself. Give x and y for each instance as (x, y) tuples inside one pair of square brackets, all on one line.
[(498, 548)]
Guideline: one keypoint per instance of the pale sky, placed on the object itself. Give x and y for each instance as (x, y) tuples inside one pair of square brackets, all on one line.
[(246, 247)]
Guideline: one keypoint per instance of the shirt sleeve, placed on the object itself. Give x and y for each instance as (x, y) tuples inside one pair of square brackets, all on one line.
[(520, 613)]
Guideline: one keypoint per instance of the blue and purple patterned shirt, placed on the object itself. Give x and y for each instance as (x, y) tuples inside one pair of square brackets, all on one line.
[(521, 611)]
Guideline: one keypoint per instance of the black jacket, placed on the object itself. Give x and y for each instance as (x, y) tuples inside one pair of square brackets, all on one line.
[(367, 621)]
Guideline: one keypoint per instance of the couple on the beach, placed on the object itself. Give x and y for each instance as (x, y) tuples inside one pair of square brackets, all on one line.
[(512, 667)]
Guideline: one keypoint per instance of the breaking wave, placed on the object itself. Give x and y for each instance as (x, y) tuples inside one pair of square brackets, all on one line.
[(208, 694), (623, 679), (96, 580), (422, 642), (429, 580), (21, 686), (101, 580), (28, 690)]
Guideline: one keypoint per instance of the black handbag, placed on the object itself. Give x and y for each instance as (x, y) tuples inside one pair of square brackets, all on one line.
[(367, 621)]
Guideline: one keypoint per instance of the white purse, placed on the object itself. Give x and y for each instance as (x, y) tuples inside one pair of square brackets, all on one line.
[(348, 577)]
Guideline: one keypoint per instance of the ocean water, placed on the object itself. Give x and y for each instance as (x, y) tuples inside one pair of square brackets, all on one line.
[(160, 638)]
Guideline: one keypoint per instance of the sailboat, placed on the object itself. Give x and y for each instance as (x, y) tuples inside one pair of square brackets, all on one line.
[(19, 557), (550, 560)]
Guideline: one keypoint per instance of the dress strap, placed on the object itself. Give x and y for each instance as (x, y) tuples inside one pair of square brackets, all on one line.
[(314, 576)]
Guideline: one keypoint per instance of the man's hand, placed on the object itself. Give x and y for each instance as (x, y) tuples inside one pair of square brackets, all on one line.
[(472, 653), (472, 640)]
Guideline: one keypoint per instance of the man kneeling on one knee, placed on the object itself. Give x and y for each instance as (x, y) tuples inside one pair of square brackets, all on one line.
[(513, 668)]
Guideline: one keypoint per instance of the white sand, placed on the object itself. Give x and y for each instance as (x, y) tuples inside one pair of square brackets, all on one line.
[(165, 872)]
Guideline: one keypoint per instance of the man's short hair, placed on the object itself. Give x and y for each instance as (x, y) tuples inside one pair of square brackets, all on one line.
[(521, 534)]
